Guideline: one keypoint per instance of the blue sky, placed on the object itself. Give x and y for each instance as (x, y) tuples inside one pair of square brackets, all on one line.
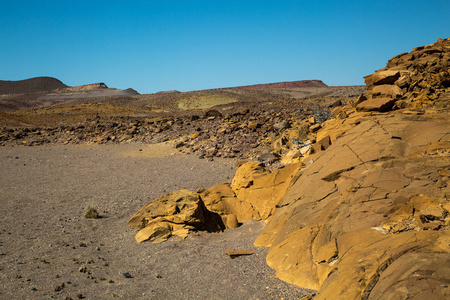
[(200, 44)]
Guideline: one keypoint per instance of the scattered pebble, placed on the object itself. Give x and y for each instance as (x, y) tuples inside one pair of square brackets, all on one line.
[(60, 287), (126, 274)]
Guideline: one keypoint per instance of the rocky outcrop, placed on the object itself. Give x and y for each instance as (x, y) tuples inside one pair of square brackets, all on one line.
[(379, 192), (369, 217), (410, 79), (252, 195), (173, 214), (364, 212)]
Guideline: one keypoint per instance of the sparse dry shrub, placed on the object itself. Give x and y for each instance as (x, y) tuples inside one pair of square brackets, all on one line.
[(322, 114), (91, 213)]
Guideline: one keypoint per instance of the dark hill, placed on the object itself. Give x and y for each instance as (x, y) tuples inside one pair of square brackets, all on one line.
[(32, 85)]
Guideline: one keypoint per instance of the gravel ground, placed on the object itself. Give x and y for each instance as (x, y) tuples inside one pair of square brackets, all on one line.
[(48, 250)]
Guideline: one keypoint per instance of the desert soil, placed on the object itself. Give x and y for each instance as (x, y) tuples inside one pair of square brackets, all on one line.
[(49, 250)]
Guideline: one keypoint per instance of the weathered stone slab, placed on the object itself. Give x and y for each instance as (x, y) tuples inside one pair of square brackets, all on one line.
[(377, 104)]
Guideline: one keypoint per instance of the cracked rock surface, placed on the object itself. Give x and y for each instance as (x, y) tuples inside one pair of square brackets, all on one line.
[(365, 202), (363, 212)]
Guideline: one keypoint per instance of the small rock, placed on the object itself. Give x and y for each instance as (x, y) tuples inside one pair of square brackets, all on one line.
[(441, 183), (281, 125), (126, 274), (60, 287), (315, 128), (236, 253)]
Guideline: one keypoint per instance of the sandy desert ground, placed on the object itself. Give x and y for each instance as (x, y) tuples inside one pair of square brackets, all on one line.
[(49, 250)]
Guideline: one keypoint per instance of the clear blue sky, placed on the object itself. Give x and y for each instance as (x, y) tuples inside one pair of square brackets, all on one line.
[(200, 44)]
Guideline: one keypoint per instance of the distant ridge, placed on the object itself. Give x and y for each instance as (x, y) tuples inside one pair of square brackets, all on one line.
[(49, 91), (288, 84), (32, 85)]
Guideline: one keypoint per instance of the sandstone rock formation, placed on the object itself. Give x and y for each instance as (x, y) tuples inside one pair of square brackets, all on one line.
[(369, 217), (172, 214), (415, 78), (374, 195), (252, 194), (364, 213)]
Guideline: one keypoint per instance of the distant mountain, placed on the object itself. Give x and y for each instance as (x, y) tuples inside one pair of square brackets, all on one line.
[(289, 84), (32, 85), (49, 91)]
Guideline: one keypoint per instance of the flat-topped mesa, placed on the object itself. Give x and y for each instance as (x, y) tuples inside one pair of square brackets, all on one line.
[(410, 79), (87, 91), (288, 84), (85, 87)]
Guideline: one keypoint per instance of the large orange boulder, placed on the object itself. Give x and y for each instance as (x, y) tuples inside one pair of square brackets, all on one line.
[(252, 195), (172, 214)]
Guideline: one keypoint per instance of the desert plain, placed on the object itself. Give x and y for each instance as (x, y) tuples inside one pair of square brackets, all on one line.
[(337, 192)]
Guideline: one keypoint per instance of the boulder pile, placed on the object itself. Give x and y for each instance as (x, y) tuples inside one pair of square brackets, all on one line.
[(363, 212)]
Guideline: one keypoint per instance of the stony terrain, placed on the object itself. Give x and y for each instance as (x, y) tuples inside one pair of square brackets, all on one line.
[(353, 185), (362, 208), (204, 123), (107, 153), (50, 250)]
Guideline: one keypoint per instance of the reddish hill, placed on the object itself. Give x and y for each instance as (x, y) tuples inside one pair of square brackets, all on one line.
[(290, 84), (32, 85)]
